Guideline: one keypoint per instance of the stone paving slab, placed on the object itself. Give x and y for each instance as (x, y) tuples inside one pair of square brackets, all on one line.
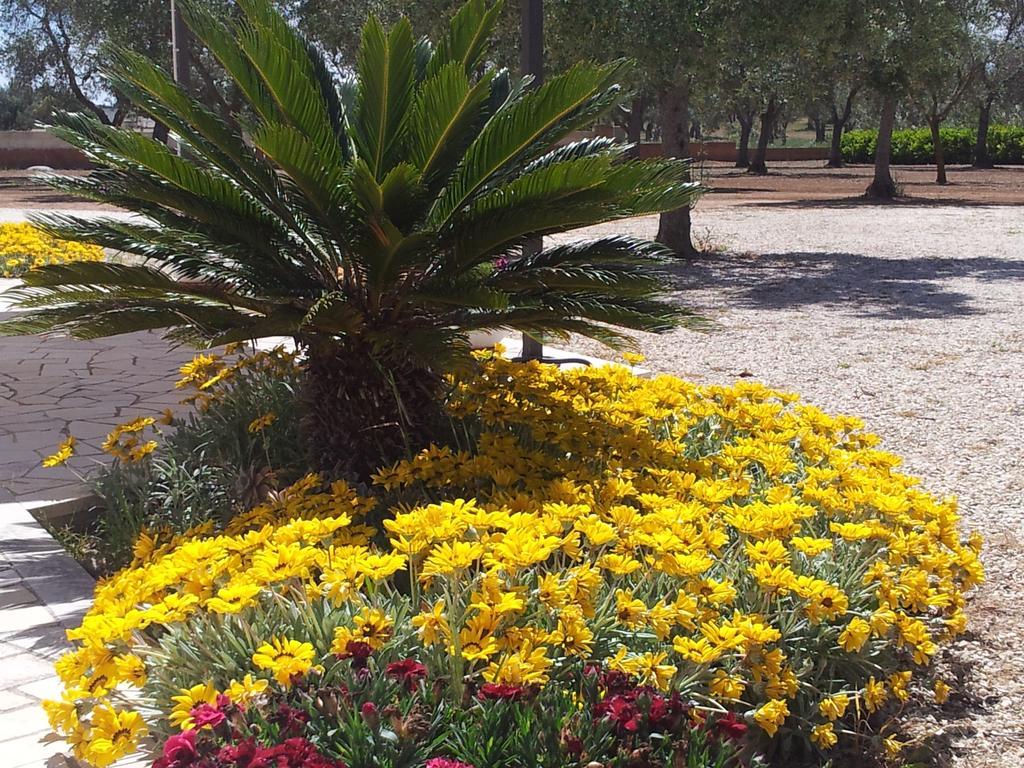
[(43, 592)]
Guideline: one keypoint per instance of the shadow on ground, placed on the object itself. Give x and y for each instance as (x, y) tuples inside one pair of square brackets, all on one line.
[(868, 286), (860, 201)]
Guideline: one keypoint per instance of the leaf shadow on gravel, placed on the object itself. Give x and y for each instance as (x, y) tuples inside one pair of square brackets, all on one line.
[(868, 286)]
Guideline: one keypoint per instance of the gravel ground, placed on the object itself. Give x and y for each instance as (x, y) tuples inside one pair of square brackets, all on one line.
[(911, 316)]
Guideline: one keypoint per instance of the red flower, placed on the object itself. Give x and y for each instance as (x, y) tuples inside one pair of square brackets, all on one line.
[(358, 651), (407, 671), (206, 714), (503, 691), (731, 727), (620, 710), (179, 751)]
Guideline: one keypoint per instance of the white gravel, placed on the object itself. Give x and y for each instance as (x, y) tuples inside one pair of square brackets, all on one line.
[(912, 317)]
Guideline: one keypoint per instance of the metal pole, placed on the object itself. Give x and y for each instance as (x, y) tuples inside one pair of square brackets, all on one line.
[(181, 54), (531, 62)]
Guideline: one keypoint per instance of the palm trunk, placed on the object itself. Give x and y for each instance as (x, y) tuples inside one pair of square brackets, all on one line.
[(940, 158), (883, 186), (758, 165), (363, 410), (981, 156), (674, 226)]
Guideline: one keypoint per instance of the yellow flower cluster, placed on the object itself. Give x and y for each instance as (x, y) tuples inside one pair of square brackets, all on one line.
[(23, 246), (756, 554)]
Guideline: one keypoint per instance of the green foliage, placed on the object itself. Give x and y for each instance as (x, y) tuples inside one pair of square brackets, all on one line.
[(914, 146), (208, 468), (376, 211)]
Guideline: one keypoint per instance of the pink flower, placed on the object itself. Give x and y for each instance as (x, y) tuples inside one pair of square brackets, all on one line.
[(207, 715), (444, 762)]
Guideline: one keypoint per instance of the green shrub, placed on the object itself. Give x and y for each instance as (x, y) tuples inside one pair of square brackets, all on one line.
[(914, 146)]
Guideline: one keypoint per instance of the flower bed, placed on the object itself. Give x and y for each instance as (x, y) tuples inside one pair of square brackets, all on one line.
[(600, 569), (23, 246)]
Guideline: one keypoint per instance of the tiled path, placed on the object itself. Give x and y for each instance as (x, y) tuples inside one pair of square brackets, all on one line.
[(50, 388)]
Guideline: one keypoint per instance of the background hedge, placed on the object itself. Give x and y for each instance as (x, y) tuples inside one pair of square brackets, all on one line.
[(914, 146)]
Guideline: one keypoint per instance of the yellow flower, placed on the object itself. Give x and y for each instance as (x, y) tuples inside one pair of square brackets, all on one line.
[(771, 715), (432, 625), (824, 735), (941, 691), (64, 452), (528, 666), (187, 700), (874, 695), (261, 423), (449, 557), (726, 687), (131, 669), (243, 691), (373, 627), (853, 637), (284, 658), (113, 734), (834, 707)]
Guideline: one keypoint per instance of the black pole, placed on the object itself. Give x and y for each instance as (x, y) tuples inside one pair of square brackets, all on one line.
[(531, 62)]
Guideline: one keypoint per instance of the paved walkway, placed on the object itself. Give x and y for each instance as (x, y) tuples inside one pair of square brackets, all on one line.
[(43, 592), (50, 388)]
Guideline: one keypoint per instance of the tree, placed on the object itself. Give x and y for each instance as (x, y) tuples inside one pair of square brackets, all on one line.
[(57, 46), (999, 43), (943, 75), (376, 221), (766, 62), (668, 42), (839, 65)]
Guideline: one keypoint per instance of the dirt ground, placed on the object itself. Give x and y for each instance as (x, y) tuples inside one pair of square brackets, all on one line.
[(805, 182)]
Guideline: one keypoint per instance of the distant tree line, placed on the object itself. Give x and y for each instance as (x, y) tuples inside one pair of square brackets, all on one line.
[(753, 66)]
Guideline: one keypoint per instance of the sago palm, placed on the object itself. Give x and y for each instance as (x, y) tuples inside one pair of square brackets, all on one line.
[(377, 220)]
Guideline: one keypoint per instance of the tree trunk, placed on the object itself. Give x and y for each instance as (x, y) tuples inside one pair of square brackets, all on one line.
[(635, 123), (883, 186), (835, 150), (746, 122), (674, 226), (940, 158), (758, 165), (819, 130), (365, 410), (839, 123), (981, 156)]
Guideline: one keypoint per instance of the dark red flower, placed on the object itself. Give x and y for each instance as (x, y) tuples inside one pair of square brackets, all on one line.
[(246, 754), (731, 726), (179, 751), (621, 711), (358, 651), (290, 720), (408, 672), (503, 691)]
